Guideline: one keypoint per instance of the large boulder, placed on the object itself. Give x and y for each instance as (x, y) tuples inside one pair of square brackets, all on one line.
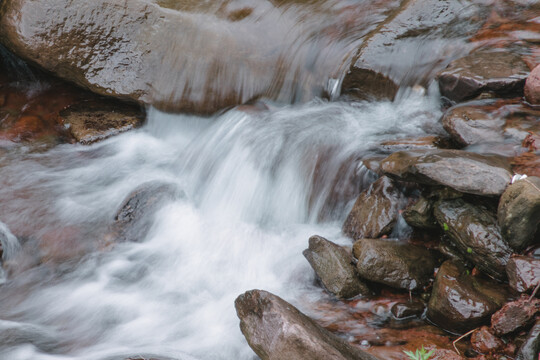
[(475, 234), (333, 265), (413, 42), (519, 212), (532, 86), (460, 301), (500, 72), (375, 211), (463, 171), (276, 330), (393, 263), (523, 273)]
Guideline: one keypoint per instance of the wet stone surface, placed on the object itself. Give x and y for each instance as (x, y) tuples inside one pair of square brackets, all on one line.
[(475, 233), (420, 215), (486, 175), (333, 266), (468, 125), (523, 273), (531, 347), (515, 315), (532, 86), (407, 309), (499, 72), (375, 211), (485, 342), (460, 302), (393, 263)]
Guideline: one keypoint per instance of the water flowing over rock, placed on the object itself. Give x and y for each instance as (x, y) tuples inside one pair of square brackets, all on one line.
[(94, 121), (532, 86), (470, 125), (515, 315), (395, 52), (523, 273), (531, 347), (375, 211), (393, 263), (459, 301), (463, 171), (476, 235), (333, 265), (503, 73), (519, 212), (276, 330)]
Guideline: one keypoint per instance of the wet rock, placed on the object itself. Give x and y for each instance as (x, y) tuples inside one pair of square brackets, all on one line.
[(443, 354), (277, 330), (468, 125), (502, 73), (485, 342), (532, 86), (333, 265), (135, 216), (393, 263), (531, 347), (420, 215), (391, 53), (523, 273), (403, 310), (460, 302), (94, 121), (423, 143), (476, 235), (519, 212), (375, 211), (515, 315), (466, 172)]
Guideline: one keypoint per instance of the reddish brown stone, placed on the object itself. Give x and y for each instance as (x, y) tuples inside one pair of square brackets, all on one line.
[(515, 315), (523, 273), (532, 86), (484, 342)]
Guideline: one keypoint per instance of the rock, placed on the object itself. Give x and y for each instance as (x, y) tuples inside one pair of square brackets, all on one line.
[(476, 235), (375, 211), (423, 143), (484, 342), (519, 212), (276, 330), (468, 125), (94, 121), (523, 273), (460, 302), (333, 265), (398, 50), (531, 347), (532, 86), (443, 354), (393, 263), (135, 216), (499, 72), (403, 310), (471, 173), (420, 215), (515, 315)]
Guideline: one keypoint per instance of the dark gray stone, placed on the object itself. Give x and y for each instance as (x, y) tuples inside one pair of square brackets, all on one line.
[(531, 347), (420, 215)]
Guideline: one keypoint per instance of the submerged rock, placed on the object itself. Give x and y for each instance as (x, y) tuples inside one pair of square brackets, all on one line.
[(403, 310), (515, 315), (519, 212), (420, 215), (94, 121), (468, 125), (393, 263), (523, 273), (276, 330), (135, 216), (476, 235), (333, 265), (463, 171), (375, 211), (531, 347), (532, 86), (485, 342), (460, 302), (502, 73)]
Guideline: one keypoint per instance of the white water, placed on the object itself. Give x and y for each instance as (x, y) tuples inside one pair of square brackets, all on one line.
[(251, 206)]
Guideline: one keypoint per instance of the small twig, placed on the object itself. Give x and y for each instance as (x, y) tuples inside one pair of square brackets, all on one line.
[(410, 295), (534, 291), (460, 338)]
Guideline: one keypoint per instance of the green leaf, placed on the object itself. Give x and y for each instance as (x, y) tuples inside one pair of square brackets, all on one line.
[(445, 227), (469, 250)]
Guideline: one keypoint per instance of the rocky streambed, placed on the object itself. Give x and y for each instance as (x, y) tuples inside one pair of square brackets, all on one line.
[(401, 210)]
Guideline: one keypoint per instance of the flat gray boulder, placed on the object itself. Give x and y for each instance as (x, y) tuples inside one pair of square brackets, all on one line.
[(276, 330)]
